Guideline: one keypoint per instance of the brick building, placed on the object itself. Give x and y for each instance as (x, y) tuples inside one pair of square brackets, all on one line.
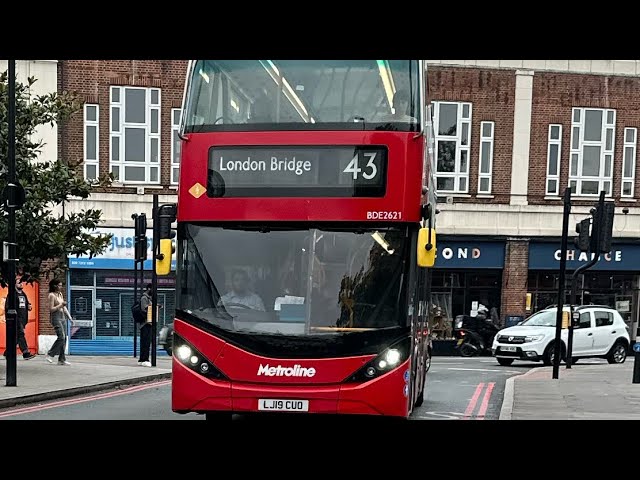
[(128, 127), (511, 135)]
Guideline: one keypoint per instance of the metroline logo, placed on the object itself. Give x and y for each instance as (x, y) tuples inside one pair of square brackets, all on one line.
[(280, 371)]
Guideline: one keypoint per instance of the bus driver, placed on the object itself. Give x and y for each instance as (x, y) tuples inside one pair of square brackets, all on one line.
[(240, 293)]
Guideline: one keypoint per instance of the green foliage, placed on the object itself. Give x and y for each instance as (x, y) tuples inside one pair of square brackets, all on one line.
[(44, 230)]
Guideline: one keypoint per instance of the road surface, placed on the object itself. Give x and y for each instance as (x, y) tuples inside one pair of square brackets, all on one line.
[(458, 388)]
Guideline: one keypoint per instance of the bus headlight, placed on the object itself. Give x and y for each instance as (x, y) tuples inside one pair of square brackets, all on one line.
[(388, 360), (392, 357), (191, 358), (183, 352)]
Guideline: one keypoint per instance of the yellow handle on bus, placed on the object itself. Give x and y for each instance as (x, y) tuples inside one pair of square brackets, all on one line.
[(426, 247), (167, 247)]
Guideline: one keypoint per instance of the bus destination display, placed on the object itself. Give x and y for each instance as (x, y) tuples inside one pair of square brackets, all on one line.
[(297, 171)]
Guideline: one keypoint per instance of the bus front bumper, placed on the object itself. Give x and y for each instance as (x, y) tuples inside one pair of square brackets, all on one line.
[(385, 395)]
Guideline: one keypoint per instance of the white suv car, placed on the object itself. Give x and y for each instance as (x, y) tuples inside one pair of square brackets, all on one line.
[(601, 333)]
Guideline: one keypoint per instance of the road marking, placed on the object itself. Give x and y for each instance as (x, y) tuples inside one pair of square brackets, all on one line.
[(485, 401), (75, 401), (474, 400), (484, 370), (445, 415)]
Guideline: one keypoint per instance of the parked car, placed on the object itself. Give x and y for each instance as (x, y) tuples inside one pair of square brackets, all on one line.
[(601, 333), (165, 338)]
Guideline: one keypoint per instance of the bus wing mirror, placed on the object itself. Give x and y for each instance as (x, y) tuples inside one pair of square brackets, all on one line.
[(426, 247)]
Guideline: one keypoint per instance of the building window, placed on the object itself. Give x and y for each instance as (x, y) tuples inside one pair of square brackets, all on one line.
[(554, 147), (592, 144), (486, 157), (135, 134), (629, 161), (175, 145), (91, 141), (452, 123)]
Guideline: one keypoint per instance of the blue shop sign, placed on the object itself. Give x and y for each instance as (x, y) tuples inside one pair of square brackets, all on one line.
[(470, 255), (546, 256)]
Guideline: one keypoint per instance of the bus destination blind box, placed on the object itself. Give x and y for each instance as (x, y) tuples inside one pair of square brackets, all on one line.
[(297, 171)]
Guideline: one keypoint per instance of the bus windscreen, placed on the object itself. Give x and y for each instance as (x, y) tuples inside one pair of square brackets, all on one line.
[(297, 171)]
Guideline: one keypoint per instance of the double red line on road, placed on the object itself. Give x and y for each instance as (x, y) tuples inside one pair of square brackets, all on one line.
[(74, 401), (482, 411)]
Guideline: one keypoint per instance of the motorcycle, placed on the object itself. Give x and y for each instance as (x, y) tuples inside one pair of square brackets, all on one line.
[(475, 335)]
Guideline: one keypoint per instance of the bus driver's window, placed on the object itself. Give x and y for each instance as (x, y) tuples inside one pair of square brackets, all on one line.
[(240, 294)]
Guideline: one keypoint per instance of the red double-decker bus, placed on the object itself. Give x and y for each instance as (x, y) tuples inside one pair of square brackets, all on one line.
[(306, 229)]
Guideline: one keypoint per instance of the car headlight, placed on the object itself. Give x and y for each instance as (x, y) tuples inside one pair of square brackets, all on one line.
[(533, 338), (194, 360)]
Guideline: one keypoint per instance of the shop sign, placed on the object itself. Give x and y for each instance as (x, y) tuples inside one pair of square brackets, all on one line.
[(546, 256), (470, 255), (119, 254)]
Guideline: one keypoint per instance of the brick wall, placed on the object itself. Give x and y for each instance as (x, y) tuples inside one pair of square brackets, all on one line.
[(514, 278), (92, 79), (554, 95), (492, 94)]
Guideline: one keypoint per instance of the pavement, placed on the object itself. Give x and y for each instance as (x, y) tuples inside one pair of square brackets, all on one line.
[(38, 380), (457, 389), (590, 390)]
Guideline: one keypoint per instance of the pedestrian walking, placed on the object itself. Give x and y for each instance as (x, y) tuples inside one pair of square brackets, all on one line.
[(59, 316), (23, 307), (145, 327)]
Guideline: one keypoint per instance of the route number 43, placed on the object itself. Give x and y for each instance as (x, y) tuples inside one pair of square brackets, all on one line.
[(370, 169)]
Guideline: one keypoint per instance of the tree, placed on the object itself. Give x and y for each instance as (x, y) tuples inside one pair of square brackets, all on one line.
[(43, 232)]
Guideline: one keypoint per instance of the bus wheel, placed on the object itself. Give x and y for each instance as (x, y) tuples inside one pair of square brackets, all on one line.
[(220, 417)]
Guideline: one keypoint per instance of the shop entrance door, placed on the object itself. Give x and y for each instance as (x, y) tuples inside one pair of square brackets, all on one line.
[(82, 309)]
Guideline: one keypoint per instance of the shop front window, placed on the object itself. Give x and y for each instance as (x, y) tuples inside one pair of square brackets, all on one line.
[(457, 293), (102, 301)]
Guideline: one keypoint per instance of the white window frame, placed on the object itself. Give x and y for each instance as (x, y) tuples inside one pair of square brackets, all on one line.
[(576, 179), (632, 146), (91, 123), (553, 176), (175, 155), (457, 174), (490, 140), (120, 163)]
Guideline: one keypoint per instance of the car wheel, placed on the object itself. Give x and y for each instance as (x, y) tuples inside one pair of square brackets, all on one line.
[(549, 354), (505, 362), (618, 353)]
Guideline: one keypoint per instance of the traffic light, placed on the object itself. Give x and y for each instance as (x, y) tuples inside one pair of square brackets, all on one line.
[(141, 237), (605, 230), (582, 229), (166, 215)]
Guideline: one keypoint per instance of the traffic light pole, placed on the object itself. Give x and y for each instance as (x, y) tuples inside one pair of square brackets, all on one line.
[(9, 253), (154, 280), (134, 217), (561, 293), (594, 251)]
